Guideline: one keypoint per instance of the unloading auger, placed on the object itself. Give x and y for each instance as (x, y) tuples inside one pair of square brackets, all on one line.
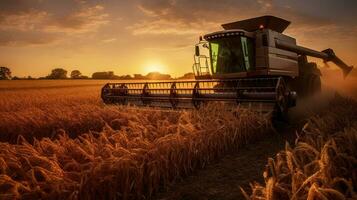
[(250, 63)]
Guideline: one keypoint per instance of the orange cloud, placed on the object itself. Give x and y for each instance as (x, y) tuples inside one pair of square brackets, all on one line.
[(84, 20), (164, 26), (30, 22)]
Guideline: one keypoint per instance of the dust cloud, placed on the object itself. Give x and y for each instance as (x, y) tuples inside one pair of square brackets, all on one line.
[(345, 86), (333, 84)]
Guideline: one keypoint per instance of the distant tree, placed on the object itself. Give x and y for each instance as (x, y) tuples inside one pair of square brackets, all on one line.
[(188, 76), (76, 74), (58, 73), (5, 73), (100, 75), (104, 75), (125, 77), (157, 76), (84, 77), (139, 77), (128, 77), (15, 78)]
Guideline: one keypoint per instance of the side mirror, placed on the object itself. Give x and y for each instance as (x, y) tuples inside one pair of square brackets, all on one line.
[(197, 50)]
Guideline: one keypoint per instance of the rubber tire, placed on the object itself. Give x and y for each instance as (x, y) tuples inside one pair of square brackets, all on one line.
[(281, 111)]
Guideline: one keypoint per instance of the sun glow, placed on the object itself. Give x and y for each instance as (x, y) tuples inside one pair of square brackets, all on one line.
[(154, 67)]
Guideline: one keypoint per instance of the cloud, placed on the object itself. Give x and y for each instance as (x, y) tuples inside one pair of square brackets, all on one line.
[(173, 48), (189, 17), (27, 21), (13, 7), (165, 26), (186, 17), (44, 22), (84, 20), (21, 38), (109, 40)]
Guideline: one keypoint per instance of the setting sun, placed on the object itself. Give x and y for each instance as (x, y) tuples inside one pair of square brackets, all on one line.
[(154, 67)]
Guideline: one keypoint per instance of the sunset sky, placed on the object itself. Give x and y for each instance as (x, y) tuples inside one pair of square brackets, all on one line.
[(138, 36)]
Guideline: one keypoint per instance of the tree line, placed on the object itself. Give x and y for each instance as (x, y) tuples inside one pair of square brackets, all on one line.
[(60, 73)]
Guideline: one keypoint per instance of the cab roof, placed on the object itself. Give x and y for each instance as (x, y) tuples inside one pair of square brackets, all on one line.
[(269, 22)]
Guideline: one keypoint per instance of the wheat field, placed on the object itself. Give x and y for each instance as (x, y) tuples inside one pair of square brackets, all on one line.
[(321, 165), (36, 109), (63, 143), (59, 141)]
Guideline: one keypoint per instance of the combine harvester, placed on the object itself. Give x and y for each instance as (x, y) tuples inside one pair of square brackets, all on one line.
[(250, 63)]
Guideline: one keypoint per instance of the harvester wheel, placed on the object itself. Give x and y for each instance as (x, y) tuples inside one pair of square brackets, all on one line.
[(282, 102)]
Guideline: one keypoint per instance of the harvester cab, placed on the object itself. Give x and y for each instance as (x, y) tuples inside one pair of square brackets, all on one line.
[(249, 63), (255, 47)]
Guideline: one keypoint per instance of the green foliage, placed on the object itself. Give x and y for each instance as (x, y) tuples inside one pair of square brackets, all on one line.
[(5, 73), (104, 75), (58, 73), (76, 74)]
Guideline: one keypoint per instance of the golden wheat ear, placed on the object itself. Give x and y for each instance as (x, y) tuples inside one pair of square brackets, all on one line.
[(21, 140), (246, 196)]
